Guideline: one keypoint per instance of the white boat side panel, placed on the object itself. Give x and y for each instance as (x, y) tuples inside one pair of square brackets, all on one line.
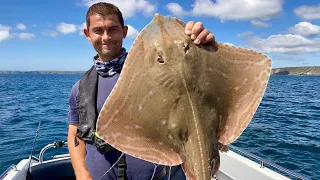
[(235, 167), (20, 172)]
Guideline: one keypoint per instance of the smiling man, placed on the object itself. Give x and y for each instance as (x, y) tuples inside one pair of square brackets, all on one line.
[(106, 33), (91, 157)]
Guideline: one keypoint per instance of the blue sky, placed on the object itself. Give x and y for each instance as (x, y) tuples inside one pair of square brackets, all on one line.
[(47, 35)]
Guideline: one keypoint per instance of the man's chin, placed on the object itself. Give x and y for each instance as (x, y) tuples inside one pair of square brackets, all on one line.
[(107, 55), (105, 52)]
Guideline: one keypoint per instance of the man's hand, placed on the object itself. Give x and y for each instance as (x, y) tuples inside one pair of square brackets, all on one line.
[(198, 33)]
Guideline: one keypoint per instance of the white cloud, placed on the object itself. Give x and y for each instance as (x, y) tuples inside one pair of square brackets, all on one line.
[(50, 33), (4, 35), (132, 32), (229, 44), (238, 9), (4, 32), (176, 9), (308, 12), (21, 26), (245, 34), (305, 29), (25, 36), (287, 57), (4, 27), (257, 23), (65, 28), (82, 26), (128, 7), (288, 43)]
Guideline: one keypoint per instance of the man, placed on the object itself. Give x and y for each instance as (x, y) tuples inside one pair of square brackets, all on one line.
[(91, 158)]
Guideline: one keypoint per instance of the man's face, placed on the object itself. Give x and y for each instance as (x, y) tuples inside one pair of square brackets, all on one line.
[(106, 34)]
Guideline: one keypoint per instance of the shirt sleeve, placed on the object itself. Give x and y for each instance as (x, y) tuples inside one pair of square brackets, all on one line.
[(73, 114)]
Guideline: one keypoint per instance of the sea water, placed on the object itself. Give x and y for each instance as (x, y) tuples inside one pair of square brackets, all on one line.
[(285, 129)]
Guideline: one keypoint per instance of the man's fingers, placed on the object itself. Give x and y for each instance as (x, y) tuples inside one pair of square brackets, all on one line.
[(206, 36), (198, 33), (189, 27), (197, 28)]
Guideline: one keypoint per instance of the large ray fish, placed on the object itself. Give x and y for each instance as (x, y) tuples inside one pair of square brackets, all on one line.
[(174, 101)]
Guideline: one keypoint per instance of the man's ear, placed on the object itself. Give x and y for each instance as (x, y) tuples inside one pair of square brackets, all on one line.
[(125, 31), (86, 33)]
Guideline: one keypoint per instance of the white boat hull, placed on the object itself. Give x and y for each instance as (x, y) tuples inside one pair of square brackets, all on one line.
[(233, 166)]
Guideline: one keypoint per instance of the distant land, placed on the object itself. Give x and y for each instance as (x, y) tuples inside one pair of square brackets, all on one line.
[(295, 71), (42, 72)]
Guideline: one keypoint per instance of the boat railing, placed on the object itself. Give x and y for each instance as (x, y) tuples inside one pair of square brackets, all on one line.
[(56, 144), (60, 156), (262, 163)]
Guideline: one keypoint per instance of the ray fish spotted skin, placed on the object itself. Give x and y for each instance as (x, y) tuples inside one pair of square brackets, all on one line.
[(174, 101)]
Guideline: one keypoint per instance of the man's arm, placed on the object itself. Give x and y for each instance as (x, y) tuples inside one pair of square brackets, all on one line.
[(77, 154)]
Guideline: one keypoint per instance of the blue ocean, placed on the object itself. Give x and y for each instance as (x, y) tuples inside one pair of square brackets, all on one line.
[(285, 129)]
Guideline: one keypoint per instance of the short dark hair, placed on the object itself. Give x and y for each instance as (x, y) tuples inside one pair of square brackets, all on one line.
[(104, 9)]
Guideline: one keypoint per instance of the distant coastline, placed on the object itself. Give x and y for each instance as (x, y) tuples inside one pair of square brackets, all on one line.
[(295, 71), (42, 72)]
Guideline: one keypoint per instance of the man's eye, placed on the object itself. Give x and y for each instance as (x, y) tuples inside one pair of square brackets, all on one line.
[(98, 31)]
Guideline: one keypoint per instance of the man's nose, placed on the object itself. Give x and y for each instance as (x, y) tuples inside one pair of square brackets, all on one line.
[(105, 36)]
